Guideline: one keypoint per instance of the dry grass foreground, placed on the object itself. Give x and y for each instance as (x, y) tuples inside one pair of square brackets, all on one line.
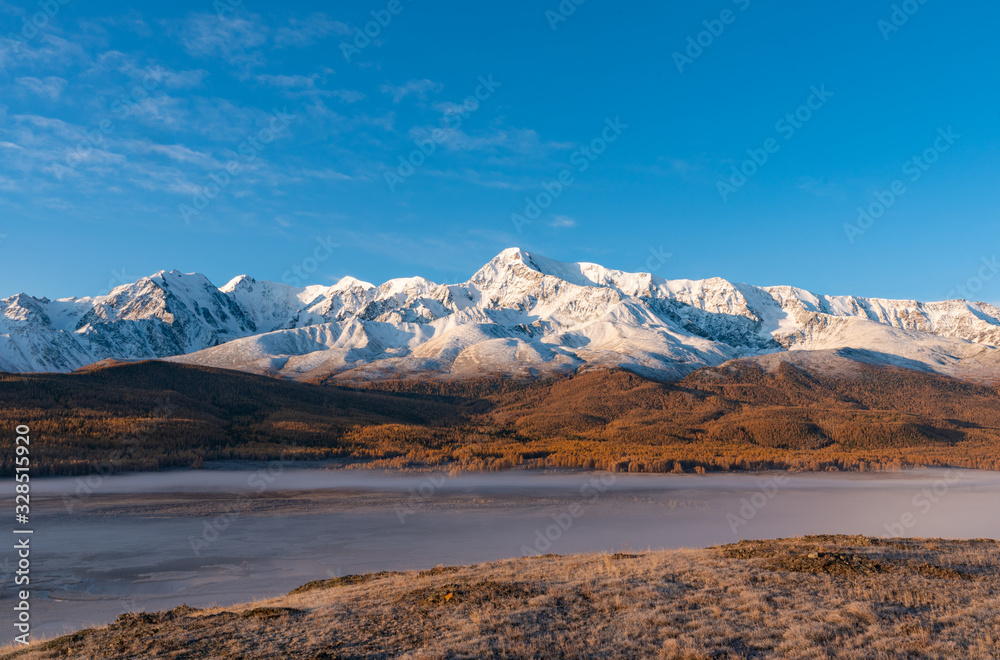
[(813, 597)]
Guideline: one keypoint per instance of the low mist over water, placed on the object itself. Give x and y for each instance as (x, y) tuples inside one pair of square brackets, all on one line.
[(154, 541)]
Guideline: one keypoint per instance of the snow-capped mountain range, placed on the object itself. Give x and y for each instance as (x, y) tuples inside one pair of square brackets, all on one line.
[(520, 314)]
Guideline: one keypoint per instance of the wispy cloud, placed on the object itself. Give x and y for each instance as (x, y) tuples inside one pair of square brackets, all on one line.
[(562, 222), (418, 88), (241, 41), (233, 39), (448, 108), (50, 87), (818, 187), (172, 117), (486, 178), (519, 140), (325, 174), (349, 95), (163, 111), (306, 32), (45, 52), (178, 153), (131, 20), (140, 70), (287, 81)]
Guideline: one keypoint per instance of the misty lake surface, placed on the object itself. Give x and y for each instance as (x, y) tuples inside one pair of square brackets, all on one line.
[(217, 537)]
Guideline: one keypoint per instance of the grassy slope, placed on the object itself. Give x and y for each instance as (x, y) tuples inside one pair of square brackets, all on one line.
[(153, 415), (829, 597)]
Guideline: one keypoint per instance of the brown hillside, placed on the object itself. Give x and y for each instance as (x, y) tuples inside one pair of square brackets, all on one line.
[(739, 415), (153, 415)]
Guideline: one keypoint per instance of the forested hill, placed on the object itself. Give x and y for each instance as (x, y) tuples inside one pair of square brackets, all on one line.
[(154, 415)]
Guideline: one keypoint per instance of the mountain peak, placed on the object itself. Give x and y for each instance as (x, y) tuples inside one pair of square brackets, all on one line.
[(348, 282), (238, 282), (520, 313), (510, 254), (506, 264), (511, 257), (163, 274)]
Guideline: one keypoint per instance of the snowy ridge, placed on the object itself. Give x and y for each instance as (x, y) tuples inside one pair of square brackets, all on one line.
[(519, 314)]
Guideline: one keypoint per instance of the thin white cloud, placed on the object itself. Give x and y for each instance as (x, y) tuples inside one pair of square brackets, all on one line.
[(178, 153), (519, 140), (52, 125), (486, 179), (179, 79), (418, 88), (562, 221), (325, 174), (287, 81), (233, 39), (132, 21), (168, 78), (45, 52), (349, 95), (162, 111), (56, 203), (115, 61), (216, 118), (300, 33), (162, 179), (447, 108), (50, 87)]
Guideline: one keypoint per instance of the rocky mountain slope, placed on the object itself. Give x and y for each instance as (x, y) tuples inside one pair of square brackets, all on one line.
[(520, 314)]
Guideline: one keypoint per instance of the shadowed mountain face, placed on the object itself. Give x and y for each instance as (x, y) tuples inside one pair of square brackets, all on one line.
[(828, 412), (521, 314)]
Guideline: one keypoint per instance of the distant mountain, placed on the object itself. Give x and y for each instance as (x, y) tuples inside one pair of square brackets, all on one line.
[(521, 314)]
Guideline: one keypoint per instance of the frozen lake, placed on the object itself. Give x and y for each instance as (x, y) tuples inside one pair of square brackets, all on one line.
[(153, 541)]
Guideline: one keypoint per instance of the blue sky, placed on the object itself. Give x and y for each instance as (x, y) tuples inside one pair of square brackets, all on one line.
[(117, 123)]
